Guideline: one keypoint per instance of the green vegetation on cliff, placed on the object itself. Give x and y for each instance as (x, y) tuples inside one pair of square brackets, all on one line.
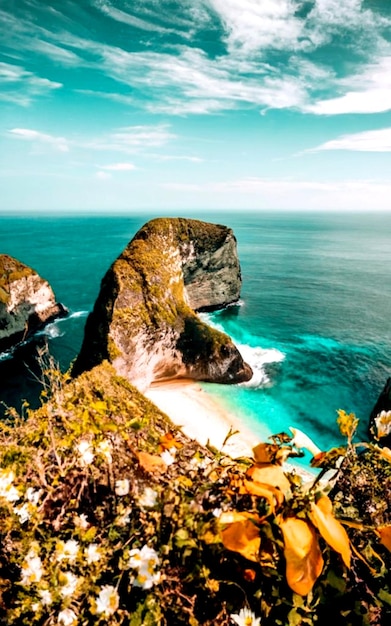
[(111, 516)]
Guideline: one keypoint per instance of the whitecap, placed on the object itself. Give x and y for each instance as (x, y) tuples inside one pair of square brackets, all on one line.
[(258, 358)]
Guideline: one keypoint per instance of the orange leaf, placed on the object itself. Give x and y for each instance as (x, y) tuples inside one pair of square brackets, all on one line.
[(151, 463), (304, 561), (385, 536), (168, 441), (241, 534), (330, 528), (265, 452), (271, 494), (270, 474)]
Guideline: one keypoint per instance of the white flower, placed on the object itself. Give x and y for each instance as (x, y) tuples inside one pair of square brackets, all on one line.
[(86, 452), (81, 521), (70, 585), (67, 551), (107, 601), (148, 497), (23, 512), (32, 570), (105, 448), (33, 495), (122, 487), (246, 618), (217, 512), (46, 597), (167, 457), (301, 440), (67, 617), (196, 462), (7, 489), (93, 553), (145, 561)]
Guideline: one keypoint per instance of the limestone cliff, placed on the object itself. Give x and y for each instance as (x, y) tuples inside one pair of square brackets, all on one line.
[(27, 302), (144, 322)]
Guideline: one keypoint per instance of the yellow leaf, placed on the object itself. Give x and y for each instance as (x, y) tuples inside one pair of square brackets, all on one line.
[(270, 474), (99, 405), (385, 536), (330, 528), (304, 561), (241, 534)]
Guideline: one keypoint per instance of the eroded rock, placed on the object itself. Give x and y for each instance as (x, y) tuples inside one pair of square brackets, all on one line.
[(27, 302), (144, 319)]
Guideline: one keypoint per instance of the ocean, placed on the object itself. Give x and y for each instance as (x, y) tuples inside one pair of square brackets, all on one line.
[(313, 320)]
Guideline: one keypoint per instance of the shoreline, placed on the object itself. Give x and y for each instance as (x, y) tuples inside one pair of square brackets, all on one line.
[(201, 416)]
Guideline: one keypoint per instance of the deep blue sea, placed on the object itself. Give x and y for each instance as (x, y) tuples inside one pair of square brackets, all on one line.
[(314, 319)]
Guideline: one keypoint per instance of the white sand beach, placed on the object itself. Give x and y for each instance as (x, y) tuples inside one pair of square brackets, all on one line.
[(201, 416)]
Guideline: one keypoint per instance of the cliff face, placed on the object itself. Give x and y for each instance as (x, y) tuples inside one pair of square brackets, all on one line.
[(144, 322), (27, 302)]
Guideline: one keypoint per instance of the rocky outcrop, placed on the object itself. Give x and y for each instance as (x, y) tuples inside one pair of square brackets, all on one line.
[(27, 302), (144, 319), (380, 418)]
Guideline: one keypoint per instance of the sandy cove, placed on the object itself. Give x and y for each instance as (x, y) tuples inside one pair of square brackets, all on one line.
[(201, 416)]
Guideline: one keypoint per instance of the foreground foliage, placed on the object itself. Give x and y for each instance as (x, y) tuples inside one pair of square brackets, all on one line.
[(110, 515)]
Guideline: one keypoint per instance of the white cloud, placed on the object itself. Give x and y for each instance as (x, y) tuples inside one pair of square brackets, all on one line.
[(254, 25), (34, 136), (118, 167), (22, 86), (368, 141), (128, 18), (368, 91)]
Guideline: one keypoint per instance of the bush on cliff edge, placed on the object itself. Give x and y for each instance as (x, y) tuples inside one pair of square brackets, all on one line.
[(110, 515)]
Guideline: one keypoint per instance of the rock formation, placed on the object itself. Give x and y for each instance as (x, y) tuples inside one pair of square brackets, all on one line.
[(144, 319), (380, 418), (27, 302)]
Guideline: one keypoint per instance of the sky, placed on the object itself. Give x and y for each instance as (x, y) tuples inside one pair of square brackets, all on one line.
[(131, 105)]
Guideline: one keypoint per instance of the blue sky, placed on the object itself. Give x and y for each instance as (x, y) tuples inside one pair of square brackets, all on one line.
[(126, 105)]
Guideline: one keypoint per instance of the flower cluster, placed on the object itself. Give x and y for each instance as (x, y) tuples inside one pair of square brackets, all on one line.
[(144, 562)]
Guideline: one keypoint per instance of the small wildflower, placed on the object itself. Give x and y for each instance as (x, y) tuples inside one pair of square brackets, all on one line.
[(168, 457), (46, 597), (93, 553), (246, 618), (32, 570), (122, 487), (67, 551), (67, 617), (301, 440), (123, 518), (85, 451), (148, 497), (383, 424), (7, 489), (23, 512), (33, 495), (145, 561), (105, 448), (81, 521), (70, 585), (107, 601)]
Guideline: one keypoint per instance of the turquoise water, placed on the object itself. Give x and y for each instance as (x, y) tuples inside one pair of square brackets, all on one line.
[(313, 320)]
